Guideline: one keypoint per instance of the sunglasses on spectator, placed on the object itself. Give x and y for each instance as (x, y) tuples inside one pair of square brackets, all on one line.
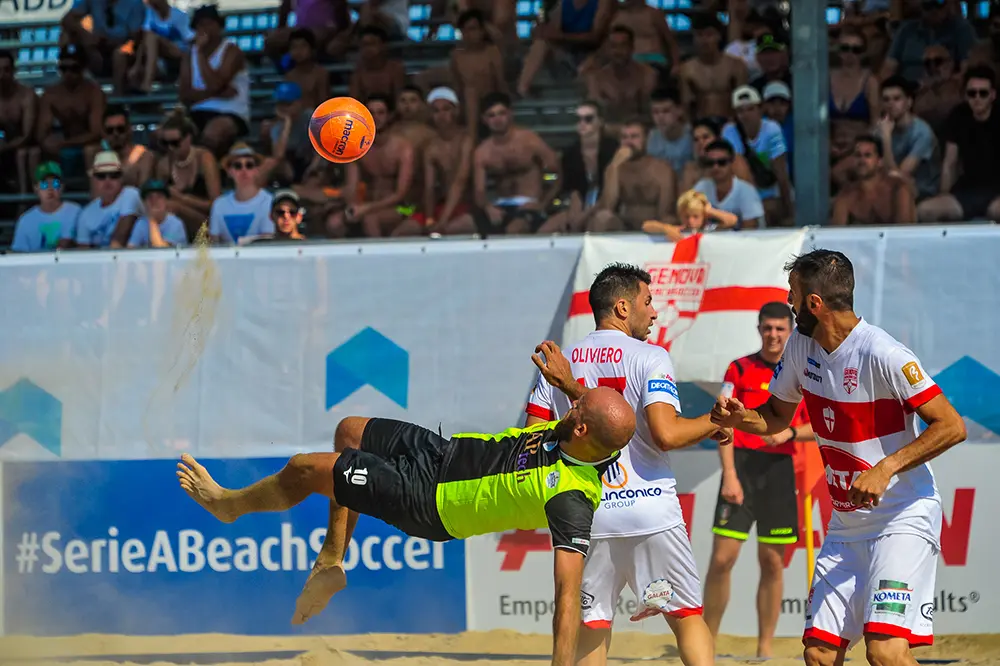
[(856, 49), (708, 163), (285, 212), (111, 175), (585, 118), (115, 129), (241, 165), (981, 93), (50, 183)]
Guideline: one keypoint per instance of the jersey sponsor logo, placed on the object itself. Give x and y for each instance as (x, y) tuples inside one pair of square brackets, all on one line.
[(850, 380), (580, 542), (812, 375), (586, 600), (677, 290), (813, 362), (892, 596), (809, 603), (662, 386), (765, 386), (596, 355), (552, 480), (530, 448), (842, 469), (658, 594), (359, 476), (927, 611), (914, 375), (615, 477)]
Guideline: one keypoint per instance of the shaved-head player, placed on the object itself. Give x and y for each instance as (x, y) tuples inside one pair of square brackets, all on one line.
[(548, 475), (865, 394)]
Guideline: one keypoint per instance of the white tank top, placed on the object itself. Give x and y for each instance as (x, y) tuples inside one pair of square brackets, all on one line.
[(238, 105)]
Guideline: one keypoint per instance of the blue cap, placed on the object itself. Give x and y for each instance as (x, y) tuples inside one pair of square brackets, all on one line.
[(287, 92)]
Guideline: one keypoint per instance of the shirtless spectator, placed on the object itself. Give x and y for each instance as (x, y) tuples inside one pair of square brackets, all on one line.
[(137, 161), (376, 73), (166, 36), (873, 197), (670, 139), (623, 86), (215, 84), (311, 77), (655, 43), (107, 221), (583, 166), (327, 20), (18, 106), (517, 160), (936, 25), (476, 64), (447, 165), (410, 122), (703, 133), (387, 173), (285, 137), (113, 23), (570, 31), (970, 173), (710, 77), (909, 148), (941, 89), (746, 26), (500, 17), (76, 103), (191, 172), (637, 188), (762, 143), (734, 202), (52, 220), (772, 57)]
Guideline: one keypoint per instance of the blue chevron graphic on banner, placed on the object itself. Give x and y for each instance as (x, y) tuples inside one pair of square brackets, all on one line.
[(26, 408), (970, 386), (369, 358)]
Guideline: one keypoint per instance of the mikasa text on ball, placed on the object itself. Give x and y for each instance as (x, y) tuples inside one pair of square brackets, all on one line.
[(342, 129)]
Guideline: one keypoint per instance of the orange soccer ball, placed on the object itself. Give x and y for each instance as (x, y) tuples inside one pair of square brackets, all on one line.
[(342, 130)]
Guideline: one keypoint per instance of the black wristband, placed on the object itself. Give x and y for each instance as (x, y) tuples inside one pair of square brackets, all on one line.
[(795, 433)]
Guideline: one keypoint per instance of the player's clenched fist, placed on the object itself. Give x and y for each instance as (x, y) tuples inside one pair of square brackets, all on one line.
[(727, 412)]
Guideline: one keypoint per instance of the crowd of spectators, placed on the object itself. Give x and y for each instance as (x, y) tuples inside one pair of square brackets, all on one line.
[(665, 143)]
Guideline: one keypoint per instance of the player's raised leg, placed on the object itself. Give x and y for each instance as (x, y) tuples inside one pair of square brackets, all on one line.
[(303, 475)]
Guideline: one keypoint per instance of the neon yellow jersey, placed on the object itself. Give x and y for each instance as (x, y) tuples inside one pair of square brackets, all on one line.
[(518, 479)]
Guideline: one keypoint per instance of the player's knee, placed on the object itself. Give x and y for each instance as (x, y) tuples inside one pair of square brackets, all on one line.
[(886, 651), (349, 432), (723, 562), (772, 561), (816, 655)]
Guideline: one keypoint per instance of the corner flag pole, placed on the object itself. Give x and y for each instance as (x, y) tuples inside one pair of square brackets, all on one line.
[(810, 548)]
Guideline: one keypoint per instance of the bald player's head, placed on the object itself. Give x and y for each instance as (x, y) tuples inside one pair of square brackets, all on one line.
[(600, 421)]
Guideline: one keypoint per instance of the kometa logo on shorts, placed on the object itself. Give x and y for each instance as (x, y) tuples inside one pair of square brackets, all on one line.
[(892, 597), (841, 470)]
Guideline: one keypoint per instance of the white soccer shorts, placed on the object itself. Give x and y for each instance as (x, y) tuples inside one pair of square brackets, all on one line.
[(878, 586), (658, 567)]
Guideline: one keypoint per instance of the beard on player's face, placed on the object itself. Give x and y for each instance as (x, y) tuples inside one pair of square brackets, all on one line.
[(563, 431), (805, 321)]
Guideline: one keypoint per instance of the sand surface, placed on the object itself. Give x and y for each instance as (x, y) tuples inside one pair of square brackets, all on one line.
[(630, 647)]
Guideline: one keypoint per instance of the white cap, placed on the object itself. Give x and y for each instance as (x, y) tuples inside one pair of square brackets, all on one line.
[(107, 161), (777, 89), (745, 96), (443, 92)]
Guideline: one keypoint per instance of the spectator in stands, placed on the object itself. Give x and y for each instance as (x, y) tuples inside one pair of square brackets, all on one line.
[(518, 161), (970, 174), (772, 56), (476, 64), (113, 23), (107, 221), (570, 32), (387, 174), (746, 26), (710, 77), (166, 37), (670, 139), (410, 122), (138, 161), (17, 122), (393, 16), (583, 167), (778, 107), (326, 20), (703, 133), (655, 43), (854, 91), (376, 73), (762, 143), (45, 226), (941, 89), (158, 227), (214, 83), (936, 25), (76, 103), (909, 148), (696, 215), (447, 168), (874, 196), (286, 137), (246, 210), (191, 172), (734, 202), (500, 16), (637, 188), (311, 77), (623, 86), (286, 215)]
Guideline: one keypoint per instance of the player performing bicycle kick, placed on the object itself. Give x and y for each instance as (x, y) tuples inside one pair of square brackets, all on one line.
[(641, 541)]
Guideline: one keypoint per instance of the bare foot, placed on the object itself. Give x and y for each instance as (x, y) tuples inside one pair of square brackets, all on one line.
[(202, 488), (324, 582)]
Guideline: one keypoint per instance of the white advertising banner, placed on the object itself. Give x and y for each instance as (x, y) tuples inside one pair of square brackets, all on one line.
[(51, 11), (707, 290)]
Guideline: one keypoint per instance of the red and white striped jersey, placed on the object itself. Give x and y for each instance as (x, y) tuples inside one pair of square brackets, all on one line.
[(861, 401), (639, 488)]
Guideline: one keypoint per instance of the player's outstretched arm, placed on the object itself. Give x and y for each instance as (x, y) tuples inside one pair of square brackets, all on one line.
[(671, 431), (566, 621), (772, 417)]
